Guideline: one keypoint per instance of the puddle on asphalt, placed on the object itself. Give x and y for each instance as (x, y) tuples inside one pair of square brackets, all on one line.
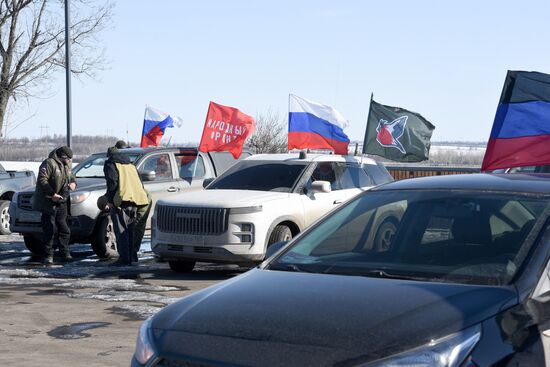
[(75, 331)]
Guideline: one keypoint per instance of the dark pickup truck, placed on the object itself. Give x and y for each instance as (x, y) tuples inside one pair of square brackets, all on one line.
[(164, 171), (10, 183)]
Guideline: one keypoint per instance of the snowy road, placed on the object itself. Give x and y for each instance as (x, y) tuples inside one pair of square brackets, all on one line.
[(85, 311)]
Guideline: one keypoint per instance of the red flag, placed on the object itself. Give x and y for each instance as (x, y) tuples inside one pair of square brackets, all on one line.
[(226, 129)]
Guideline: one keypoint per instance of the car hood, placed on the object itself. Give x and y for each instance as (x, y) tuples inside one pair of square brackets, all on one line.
[(91, 184), (223, 198), (319, 319), (83, 184)]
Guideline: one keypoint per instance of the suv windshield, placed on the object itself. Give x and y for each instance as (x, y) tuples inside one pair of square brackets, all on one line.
[(446, 236), (93, 165), (261, 176)]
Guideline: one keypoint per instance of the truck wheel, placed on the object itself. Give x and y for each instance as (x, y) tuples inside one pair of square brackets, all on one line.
[(104, 239), (4, 217), (280, 233), (384, 235), (181, 266), (34, 245)]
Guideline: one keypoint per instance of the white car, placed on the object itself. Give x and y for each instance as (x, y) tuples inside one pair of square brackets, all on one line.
[(261, 200)]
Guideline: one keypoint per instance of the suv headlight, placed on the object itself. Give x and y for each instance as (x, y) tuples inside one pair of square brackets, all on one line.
[(79, 197), (246, 210), (144, 348), (449, 351)]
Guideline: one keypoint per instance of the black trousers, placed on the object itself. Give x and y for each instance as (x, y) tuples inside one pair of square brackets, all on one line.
[(124, 221), (55, 225)]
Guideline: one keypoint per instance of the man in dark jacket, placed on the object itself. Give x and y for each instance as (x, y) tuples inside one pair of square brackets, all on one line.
[(125, 194), (51, 197)]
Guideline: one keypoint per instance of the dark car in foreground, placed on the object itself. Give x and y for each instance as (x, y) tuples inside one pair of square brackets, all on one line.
[(464, 281)]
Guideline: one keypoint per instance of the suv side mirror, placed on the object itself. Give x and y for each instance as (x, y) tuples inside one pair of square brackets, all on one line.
[(207, 181), (147, 175), (320, 186)]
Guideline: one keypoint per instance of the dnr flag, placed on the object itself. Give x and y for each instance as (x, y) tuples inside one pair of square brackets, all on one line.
[(397, 134), (521, 130)]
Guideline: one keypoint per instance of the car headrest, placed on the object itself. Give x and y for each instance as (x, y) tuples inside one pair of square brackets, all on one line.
[(472, 229)]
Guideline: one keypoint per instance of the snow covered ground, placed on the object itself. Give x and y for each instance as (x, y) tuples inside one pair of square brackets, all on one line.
[(88, 277)]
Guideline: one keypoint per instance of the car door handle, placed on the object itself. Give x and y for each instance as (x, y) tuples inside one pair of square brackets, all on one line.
[(172, 189), (338, 201)]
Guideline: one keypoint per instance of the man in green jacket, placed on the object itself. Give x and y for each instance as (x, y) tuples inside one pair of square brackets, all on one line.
[(51, 197)]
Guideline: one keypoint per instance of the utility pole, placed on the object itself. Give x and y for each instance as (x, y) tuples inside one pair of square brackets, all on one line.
[(42, 128), (68, 71)]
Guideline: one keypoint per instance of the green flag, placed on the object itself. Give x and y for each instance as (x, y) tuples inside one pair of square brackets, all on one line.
[(397, 134)]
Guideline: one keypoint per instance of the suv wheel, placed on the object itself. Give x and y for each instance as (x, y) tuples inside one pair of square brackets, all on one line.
[(4, 217), (280, 233), (181, 266), (34, 245), (104, 239)]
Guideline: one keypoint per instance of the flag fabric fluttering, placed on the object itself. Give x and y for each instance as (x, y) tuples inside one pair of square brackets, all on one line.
[(397, 134), (226, 129), (315, 126), (521, 130), (154, 124)]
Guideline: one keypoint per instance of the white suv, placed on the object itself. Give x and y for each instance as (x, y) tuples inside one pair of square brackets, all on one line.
[(261, 200)]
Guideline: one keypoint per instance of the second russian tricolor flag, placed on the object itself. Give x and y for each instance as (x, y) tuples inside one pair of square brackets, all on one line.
[(315, 126)]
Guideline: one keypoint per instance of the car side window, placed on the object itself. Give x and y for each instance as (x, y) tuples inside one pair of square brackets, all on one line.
[(351, 177), (326, 171), (161, 165), (377, 173), (190, 166)]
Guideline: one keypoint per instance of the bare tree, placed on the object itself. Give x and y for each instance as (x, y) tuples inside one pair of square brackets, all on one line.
[(271, 134), (32, 44)]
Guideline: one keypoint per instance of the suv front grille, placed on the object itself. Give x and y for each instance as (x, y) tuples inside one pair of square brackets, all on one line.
[(24, 201), (197, 221)]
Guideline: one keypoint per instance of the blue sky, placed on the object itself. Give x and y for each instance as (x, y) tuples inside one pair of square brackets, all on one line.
[(445, 60)]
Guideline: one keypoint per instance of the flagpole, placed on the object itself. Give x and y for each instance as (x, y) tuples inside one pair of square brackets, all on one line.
[(143, 128), (367, 128), (202, 135), (288, 123)]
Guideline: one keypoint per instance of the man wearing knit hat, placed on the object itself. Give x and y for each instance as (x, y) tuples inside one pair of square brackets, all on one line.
[(51, 197)]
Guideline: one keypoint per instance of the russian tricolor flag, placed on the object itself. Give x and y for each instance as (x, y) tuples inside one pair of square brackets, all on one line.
[(521, 131), (154, 124), (315, 126)]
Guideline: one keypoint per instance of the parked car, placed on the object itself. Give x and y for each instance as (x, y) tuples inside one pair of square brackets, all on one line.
[(10, 183), (261, 200), (164, 171), (463, 283)]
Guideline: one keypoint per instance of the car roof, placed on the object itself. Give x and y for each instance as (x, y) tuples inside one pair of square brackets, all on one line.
[(536, 183), (311, 157), (140, 151)]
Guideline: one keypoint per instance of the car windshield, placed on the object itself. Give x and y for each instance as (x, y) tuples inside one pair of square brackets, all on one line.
[(93, 165), (444, 236), (261, 176)]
